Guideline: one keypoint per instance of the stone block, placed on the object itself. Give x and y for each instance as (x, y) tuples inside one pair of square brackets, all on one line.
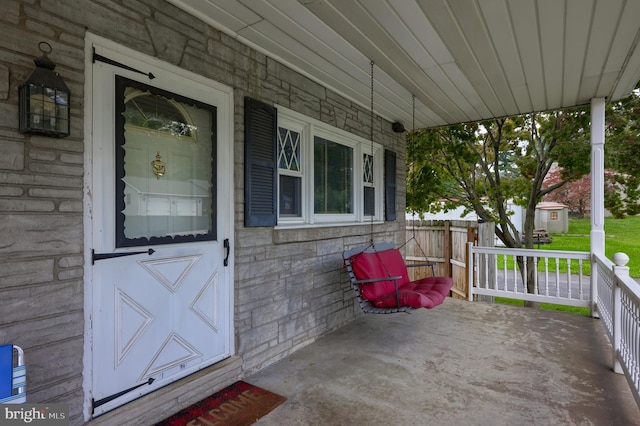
[(25, 205), (44, 330), (54, 362), (38, 28), (302, 250), (270, 311), (300, 283), (68, 274), (32, 235), (264, 289), (11, 155), (55, 19), (70, 207), (71, 158), (168, 43), (56, 193), (51, 181), (71, 262), (4, 82), (257, 337), (11, 191), (25, 272), (259, 269), (74, 40), (56, 169), (296, 326), (252, 237), (325, 247), (42, 155), (64, 144), (21, 304), (248, 255), (10, 12), (121, 24)]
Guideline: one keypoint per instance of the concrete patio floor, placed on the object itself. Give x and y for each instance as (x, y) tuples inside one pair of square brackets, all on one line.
[(461, 363)]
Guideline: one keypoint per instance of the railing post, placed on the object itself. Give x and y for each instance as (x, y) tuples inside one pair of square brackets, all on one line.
[(596, 237), (593, 280), (470, 268), (619, 269)]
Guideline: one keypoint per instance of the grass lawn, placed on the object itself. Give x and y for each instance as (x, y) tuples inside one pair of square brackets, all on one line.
[(545, 306), (621, 235)]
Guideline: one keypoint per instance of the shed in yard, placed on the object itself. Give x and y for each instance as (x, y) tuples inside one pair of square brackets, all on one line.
[(554, 217)]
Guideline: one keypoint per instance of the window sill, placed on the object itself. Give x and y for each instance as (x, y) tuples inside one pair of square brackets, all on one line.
[(298, 225), (284, 234)]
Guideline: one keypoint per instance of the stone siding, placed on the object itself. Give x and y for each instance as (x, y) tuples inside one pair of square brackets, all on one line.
[(290, 286)]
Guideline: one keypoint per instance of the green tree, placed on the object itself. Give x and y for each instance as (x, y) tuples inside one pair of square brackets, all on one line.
[(622, 146), (483, 166)]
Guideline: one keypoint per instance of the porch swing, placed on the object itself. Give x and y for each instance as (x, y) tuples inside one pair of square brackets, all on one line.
[(379, 274)]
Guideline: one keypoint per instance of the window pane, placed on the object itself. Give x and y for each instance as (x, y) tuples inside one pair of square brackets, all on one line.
[(165, 191), (288, 149), (290, 196), (333, 165), (367, 168), (369, 201)]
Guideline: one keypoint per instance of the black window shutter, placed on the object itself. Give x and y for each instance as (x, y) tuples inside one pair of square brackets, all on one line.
[(260, 168), (389, 185)]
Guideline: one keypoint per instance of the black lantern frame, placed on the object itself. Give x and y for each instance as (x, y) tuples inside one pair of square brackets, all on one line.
[(44, 99)]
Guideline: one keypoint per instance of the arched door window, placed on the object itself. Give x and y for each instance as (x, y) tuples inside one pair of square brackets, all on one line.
[(165, 167)]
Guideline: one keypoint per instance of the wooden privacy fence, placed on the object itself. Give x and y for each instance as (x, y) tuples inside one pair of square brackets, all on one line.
[(445, 242)]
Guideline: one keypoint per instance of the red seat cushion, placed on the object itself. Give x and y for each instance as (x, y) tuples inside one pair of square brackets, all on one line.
[(424, 293), (379, 265), (394, 264)]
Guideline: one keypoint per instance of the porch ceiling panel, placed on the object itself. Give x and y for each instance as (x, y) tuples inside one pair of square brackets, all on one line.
[(464, 60)]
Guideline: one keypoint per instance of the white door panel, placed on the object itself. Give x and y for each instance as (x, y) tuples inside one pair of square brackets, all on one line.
[(162, 296)]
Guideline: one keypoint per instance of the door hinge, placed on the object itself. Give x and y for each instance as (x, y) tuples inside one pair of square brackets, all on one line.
[(100, 58), (100, 256), (95, 404)]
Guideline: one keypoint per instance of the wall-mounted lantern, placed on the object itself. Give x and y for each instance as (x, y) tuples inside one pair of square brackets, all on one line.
[(44, 99)]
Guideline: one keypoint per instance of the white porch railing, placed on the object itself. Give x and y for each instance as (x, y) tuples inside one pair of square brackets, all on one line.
[(618, 302), (494, 271)]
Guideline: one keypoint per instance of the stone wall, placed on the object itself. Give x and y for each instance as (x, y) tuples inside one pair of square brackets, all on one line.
[(290, 287)]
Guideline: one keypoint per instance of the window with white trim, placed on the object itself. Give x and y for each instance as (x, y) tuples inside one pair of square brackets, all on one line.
[(289, 172), (326, 175)]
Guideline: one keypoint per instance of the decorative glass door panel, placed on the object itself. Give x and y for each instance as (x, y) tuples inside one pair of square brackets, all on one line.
[(165, 167)]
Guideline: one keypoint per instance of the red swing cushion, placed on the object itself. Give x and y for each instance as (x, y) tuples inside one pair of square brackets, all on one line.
[(387, 263), (424, 293)]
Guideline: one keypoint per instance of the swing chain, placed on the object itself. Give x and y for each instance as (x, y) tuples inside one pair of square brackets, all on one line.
[(371, 138), (413, 177)]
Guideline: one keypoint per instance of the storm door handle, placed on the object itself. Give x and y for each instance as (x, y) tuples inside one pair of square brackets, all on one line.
[(227, 246)]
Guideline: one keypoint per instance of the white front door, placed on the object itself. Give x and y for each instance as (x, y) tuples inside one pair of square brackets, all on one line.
[(161, 219)]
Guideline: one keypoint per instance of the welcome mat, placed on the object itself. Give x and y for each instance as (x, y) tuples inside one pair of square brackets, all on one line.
[(240, 404)]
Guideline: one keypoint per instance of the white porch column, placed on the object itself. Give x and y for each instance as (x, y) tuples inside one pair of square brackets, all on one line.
[(597, 192), (597, 176)]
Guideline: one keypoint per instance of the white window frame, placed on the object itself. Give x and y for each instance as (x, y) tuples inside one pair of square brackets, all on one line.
[(309, 128), (297, 125)]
